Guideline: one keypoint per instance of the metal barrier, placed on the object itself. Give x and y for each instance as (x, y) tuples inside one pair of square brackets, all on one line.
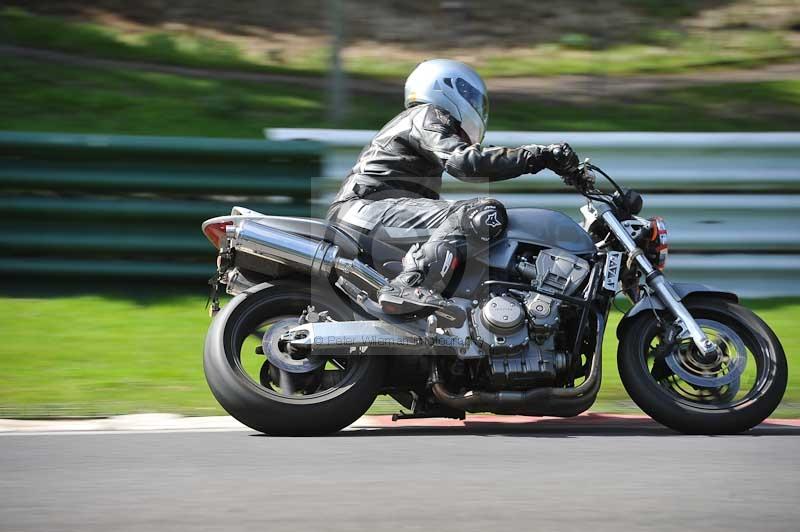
[(731, 200), (126, 206), (122, 206)]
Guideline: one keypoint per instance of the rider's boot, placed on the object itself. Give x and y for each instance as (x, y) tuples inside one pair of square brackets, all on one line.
[(427, 269)]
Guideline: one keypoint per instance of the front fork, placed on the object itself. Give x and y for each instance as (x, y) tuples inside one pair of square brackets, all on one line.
[(656, 280)]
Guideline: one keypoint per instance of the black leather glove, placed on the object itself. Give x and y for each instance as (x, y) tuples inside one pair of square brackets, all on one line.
[(580, 179), (561, 159)]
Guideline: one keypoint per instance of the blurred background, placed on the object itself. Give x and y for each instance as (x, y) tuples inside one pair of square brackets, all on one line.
[(123, 125)]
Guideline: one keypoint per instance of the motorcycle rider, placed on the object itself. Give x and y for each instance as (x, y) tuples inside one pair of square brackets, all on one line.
[(398, 176)]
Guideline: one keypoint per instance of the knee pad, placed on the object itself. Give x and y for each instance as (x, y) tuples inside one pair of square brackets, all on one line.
[(484, 220)]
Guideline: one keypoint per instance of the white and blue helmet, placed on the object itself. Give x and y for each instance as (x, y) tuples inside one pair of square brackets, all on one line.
[(455, 87)]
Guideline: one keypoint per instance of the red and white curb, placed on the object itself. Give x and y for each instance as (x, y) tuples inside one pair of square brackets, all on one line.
[(150, 423), (487, 421)]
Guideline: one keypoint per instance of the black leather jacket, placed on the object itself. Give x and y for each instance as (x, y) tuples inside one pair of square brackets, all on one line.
[(407, 157)]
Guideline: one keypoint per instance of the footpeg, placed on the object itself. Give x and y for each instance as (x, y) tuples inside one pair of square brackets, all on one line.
[(404, 303), (451, 316)]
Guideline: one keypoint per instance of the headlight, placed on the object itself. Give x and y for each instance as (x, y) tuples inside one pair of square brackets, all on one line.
[(658, 247)]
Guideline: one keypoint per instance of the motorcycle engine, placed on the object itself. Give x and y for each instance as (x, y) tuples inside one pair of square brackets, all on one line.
[(500, 325), (556, 272), (517, 330)]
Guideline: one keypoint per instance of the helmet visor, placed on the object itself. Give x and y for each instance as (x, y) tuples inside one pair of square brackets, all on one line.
[(476, 98)]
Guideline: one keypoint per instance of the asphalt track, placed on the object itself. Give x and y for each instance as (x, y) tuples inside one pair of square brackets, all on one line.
[(624, 474)]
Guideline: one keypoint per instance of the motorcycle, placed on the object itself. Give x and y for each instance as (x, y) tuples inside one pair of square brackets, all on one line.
[(304, 349)]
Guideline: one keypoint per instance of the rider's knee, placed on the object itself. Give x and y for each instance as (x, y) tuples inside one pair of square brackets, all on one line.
[(484, 219)]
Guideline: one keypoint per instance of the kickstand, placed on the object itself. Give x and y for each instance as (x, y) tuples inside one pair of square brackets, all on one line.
[(451, 414)]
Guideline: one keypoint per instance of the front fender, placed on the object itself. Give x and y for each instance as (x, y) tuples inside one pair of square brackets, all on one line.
[(683, 290)]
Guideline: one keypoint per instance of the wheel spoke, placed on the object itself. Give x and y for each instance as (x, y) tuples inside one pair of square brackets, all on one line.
[(660, 370), (285, 382), (292, 375), (264, 376), (331, 378)]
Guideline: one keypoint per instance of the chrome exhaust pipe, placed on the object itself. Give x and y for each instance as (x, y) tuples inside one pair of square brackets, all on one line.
[(314, 257), (356, 270), (317, 258)]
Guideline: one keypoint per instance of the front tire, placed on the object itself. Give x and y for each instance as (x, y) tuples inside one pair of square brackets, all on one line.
[(675, 396), (270, 408)]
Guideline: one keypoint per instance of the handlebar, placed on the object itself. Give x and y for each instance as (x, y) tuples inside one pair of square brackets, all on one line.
[(624, 201), (586, 178)]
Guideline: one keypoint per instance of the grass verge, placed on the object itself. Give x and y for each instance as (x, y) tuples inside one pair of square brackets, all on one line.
[(79, 355), (653, 50), (48, 97)]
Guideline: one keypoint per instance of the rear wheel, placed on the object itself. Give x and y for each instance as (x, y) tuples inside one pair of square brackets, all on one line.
[(257, 381), (729, 392)]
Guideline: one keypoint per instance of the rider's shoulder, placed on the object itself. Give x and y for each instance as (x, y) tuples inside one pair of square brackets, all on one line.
[(436, 119)]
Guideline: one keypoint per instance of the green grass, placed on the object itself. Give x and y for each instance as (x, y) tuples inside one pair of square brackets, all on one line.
[(21, 28), (662, 52), (42, 97), (48, 97), (114, 354), (102, 355), (652, 50)]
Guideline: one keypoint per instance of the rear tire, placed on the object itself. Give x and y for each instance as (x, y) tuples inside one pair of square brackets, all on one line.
[(743, 413), (262, 408)]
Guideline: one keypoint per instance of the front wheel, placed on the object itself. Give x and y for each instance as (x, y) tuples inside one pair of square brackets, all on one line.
[(730, 392), (278, 392)]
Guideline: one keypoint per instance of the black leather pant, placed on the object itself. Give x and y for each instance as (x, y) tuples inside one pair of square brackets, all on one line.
[(440, 218), (440, 230)]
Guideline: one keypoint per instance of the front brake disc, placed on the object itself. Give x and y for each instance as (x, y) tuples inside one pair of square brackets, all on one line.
[(688, 367)]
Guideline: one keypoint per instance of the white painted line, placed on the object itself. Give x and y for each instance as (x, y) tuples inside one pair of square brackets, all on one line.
[(126, 423), (134, 424), (119, 432)]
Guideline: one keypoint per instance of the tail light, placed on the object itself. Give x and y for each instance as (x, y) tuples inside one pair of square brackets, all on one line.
[(658, 246), (215, 232)]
